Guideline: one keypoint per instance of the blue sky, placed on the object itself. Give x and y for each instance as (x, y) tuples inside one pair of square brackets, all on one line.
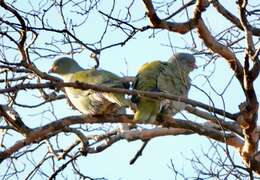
[(113, 163)]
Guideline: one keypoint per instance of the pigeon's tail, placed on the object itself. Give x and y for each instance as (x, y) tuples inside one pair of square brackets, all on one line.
[(118, 99), (147, 110)]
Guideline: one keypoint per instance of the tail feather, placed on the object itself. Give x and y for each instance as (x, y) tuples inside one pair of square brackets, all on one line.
[(118, 99), (147, 110)]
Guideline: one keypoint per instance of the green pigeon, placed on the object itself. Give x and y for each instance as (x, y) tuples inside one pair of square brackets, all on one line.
[(170, 77), (91, 102)]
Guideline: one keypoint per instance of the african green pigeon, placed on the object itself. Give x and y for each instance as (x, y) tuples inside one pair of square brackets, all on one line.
[(90, 102), (170, 77)]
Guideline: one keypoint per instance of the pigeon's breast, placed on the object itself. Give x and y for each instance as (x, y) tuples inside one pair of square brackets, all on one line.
[(87, 102)]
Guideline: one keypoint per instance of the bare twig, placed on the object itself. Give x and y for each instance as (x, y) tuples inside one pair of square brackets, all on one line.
[(62, 167), (23, 29), (232, 18), (139, 152)]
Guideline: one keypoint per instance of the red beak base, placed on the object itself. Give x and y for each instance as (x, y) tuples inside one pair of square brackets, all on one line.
[(52, 70)]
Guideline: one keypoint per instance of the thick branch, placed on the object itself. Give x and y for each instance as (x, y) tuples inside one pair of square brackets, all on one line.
[(163, 24), (55, 127), (13, 119), (254, 72), (144, 134), (249, 110), (246, 26)]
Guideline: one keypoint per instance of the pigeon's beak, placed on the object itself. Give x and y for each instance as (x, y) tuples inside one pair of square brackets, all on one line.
[(52, 69), (193, 65)]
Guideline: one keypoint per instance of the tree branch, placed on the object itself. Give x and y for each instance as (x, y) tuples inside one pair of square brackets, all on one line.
[(246, 26), (23, 29), (227, 125), (139, 152), (84, 86), (184, 126), (232, 18), (13, 119), (219, 48), (248, 110), (163, 24)]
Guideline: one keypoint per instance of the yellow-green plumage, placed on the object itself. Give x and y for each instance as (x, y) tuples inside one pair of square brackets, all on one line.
[(146, 80), (147, 110), (89, 101), (169, 77)]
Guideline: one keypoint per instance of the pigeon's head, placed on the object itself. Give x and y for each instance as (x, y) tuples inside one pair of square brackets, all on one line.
[(64, 65), (184, 60)]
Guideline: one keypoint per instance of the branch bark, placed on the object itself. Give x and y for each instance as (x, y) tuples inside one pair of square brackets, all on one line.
[(156, 22), (219, 48), (183, 127), (221, 123), (248, 110), (13, 119)]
